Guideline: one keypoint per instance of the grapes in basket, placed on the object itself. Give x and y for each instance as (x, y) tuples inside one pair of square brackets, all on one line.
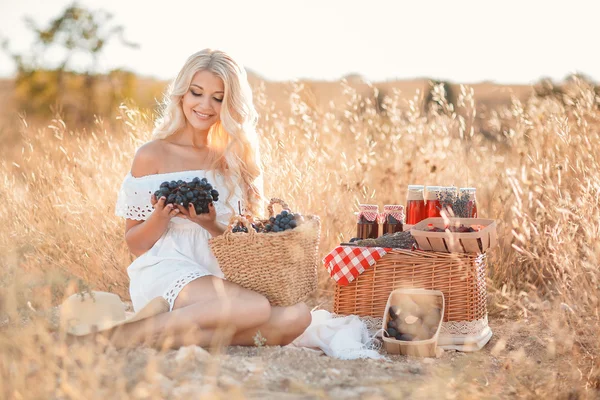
[(413, 319), (283, 221), (198, 192), (456, 229)]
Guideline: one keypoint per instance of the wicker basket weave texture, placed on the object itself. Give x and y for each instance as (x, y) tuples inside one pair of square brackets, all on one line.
[(281, 266), (460, 277)]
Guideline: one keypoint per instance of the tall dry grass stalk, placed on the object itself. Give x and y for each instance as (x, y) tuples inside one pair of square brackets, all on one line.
[(536, 170)]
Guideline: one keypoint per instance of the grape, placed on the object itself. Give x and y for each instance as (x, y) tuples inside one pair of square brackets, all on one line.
[(194, 192), (284, 221)]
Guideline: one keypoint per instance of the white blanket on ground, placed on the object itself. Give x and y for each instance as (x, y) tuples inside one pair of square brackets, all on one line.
[(345, 338)]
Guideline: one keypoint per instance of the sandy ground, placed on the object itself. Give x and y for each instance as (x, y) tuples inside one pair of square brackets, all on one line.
[(299, 373)]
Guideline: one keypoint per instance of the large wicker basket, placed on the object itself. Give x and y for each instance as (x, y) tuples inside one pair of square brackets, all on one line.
[(461, 277), (281, 266)]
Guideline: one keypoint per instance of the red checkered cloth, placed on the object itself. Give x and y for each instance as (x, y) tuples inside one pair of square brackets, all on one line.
[(345, 263)]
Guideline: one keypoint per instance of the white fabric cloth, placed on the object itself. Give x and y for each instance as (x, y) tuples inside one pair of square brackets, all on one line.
[(182, 254), (345, 338)]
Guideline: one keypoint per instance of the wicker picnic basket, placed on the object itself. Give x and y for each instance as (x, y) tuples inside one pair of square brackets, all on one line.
[(281, 266), (461, 277)]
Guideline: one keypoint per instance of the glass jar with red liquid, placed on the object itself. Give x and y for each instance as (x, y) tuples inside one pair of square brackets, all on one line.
[(472, 203), (367, 226), (448, 196), (433, 206), (415, 205), (392, 218)]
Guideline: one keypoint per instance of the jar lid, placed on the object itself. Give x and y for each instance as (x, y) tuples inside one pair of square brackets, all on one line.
[(415, 187), (468, 189), (434, 188), (368, 207), (368, 211), (393, 207), (395, 210)]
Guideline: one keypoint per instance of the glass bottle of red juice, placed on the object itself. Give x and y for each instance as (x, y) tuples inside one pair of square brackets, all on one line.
[(448, 195), (432, 205), (472, 204), (415, 205)]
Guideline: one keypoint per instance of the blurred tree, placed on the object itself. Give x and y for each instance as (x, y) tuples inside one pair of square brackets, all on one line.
[(76, 32)]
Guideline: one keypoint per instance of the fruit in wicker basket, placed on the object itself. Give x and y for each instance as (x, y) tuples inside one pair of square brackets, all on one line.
[(413, 319), (283, 221), (456, 229), (198, 192)]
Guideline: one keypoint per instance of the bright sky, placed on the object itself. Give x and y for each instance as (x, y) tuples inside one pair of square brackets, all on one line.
[(509, 41)]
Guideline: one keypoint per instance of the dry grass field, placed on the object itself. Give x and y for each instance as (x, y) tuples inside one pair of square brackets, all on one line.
[(326, 147)]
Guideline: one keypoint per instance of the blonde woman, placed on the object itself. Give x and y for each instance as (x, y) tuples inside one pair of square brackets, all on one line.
[(207, 130)]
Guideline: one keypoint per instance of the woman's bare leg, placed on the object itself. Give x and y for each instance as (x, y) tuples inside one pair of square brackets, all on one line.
[(205, 305), (284, 325)]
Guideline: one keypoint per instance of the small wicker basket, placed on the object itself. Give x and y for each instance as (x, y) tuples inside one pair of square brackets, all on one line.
[(454, 242), (418, 348), (281, 266)]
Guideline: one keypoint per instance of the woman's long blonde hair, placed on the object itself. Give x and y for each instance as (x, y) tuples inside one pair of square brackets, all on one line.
[(233, 140)]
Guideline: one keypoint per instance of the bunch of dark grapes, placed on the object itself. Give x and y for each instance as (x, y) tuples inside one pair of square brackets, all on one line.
[(198, 192), (283, 222), (241, 228)]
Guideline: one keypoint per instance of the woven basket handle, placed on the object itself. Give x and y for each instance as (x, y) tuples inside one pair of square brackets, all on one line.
[(274, 201), (243, 221)]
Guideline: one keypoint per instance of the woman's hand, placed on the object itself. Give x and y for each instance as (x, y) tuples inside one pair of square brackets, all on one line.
[(163, 211), (207, 221)]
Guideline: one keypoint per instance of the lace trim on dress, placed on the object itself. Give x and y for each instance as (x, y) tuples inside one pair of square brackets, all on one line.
[(173, 291)]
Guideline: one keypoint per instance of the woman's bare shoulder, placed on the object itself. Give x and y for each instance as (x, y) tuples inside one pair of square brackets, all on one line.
[(148, 159)]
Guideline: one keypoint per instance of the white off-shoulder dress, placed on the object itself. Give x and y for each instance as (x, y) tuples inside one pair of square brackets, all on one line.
[(182, 254)]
